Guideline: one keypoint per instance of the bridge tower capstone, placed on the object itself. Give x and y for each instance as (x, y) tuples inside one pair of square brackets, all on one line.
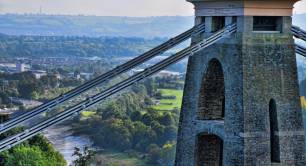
[(241, 99)]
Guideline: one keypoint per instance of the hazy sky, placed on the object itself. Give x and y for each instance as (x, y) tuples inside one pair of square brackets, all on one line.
[(107, 7)]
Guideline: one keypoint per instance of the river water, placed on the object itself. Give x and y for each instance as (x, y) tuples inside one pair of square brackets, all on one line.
[(64, 141)]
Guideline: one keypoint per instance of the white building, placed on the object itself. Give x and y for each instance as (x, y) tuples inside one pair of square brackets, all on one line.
[(20, 67)]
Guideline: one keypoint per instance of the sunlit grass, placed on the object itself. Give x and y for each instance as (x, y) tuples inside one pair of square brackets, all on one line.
[(303, 102), (115, 158), (170, 104), (87, 114)]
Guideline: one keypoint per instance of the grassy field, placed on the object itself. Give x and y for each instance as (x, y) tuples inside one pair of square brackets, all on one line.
[(113, 158), (303, 103), (87, 114), (170, 104)]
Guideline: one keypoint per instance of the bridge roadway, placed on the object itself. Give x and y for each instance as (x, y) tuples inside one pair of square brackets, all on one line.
[(74, 110)]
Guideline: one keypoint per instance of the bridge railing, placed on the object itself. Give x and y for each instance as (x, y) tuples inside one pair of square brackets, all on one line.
[(76, 109), (99, 80)]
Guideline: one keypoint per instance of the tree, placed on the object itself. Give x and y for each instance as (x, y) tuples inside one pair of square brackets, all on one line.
[(147, 119), (36, 151), (160, 132), (154, 154), (168, 154), (83, 158), (26, 90), (151, 86), (112, 111), (114, 134), (167, 119), (22, 155), (136, 116), (170, 133), (49, 81), (143, 136), (140, 90)]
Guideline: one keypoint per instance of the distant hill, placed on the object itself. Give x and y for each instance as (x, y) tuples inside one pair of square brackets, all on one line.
[(93, 26), (61, 46)]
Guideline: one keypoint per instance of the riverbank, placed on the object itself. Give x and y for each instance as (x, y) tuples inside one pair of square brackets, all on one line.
[(64, 141)]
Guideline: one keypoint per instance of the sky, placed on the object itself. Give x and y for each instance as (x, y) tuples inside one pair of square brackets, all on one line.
[(138, 8)]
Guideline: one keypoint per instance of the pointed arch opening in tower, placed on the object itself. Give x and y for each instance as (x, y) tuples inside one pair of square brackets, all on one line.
[(209, 150), (274, 137), (212, 98)]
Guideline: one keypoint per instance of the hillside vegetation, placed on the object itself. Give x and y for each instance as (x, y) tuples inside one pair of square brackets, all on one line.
[(59, 46)]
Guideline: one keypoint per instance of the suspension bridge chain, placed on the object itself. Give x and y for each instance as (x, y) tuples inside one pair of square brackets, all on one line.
[(97, 81), (76, 109), (298, 33), (300, 50)]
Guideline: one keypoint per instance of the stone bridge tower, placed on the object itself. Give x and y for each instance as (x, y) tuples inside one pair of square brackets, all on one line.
[(241, 100)]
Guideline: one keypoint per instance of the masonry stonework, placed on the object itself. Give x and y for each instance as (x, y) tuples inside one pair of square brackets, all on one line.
[(256, 68)]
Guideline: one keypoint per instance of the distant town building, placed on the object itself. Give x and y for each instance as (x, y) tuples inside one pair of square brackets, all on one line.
[(27, 104), (163, 73), (7, 67), (167, 73), (20, 67), (7, 114), (87, 76), (77, 76), (58, 76), (38, 73)]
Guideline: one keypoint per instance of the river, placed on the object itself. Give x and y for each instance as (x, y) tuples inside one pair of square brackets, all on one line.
[(64, 141)]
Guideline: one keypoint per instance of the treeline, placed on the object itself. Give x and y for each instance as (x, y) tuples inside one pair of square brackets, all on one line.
[(60, 46), (25, 85), (128, 123)]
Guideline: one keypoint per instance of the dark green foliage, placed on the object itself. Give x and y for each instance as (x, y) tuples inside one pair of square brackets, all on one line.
[(83, 158), (136, 116), (122, 126), (150, 86), (22, 155), (128, 123), (154, 153), (36, 151), (104, 47), (25, 85), (49, 80), (169, 82), (167, 119)]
